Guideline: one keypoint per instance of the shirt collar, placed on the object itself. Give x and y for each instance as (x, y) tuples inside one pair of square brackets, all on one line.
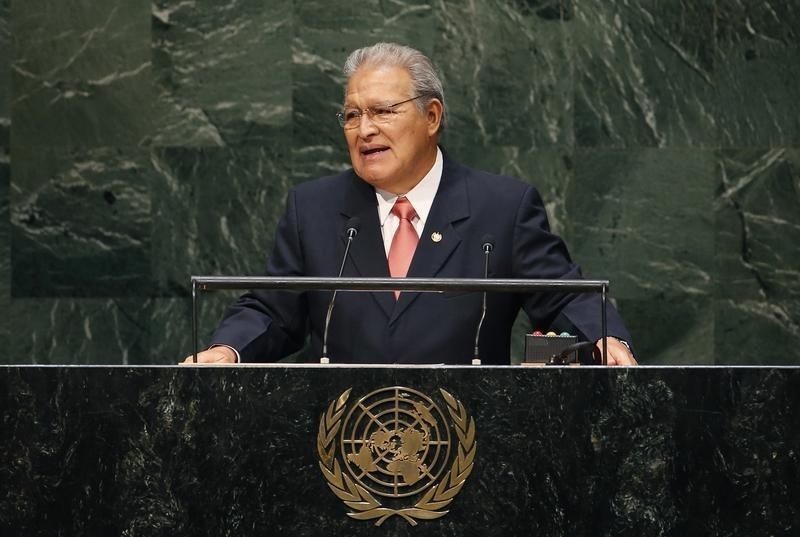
[(421, 196)]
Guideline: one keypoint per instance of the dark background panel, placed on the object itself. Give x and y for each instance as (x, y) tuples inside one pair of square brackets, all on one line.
[(507, 68), (223, 71), (643, 215), (5, 258), (80, 222), (645, 73), (219, 226), (81, 73), (758, 45), (5, 165), (757, 311), (79, 331)]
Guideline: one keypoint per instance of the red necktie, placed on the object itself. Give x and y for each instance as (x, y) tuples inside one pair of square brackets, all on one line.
[(404, 241)]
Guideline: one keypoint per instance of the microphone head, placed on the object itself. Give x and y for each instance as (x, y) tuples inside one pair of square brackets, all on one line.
[(487, 243), (351, 226)]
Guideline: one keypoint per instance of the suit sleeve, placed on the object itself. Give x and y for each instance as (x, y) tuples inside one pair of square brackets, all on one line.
[(264, 326), (539, 253)]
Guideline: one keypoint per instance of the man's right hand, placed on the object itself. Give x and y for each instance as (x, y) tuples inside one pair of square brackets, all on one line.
[(214, 355)]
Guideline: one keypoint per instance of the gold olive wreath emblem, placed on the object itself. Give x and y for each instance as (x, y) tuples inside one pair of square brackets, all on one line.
[(395, 443)]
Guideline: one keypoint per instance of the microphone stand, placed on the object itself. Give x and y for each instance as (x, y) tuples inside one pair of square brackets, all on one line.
[(352, 231), (487, 249)]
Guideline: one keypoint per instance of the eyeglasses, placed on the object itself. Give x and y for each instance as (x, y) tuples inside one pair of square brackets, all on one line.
[(350, 118)]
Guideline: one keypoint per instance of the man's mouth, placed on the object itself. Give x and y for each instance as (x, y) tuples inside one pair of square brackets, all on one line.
[(373, 150)]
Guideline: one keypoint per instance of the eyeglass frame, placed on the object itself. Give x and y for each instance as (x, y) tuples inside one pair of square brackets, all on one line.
[(371, 114)]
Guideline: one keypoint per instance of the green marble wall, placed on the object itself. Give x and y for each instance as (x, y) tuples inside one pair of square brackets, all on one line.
[(141, 142)]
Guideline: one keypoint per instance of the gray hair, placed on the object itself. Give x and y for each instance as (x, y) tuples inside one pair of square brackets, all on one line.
[(424, 78)]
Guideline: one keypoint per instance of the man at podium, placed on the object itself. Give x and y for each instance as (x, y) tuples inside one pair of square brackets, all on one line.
[(415, 212)]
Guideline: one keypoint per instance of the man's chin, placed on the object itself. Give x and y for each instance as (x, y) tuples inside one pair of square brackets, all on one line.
[(372, 176), (377, 182)]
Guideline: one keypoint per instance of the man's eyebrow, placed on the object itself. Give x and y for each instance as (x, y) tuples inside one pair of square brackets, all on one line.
[(384, 102)]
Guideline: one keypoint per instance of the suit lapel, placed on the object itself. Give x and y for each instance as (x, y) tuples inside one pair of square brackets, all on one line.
[(450, 205), (367, 252)]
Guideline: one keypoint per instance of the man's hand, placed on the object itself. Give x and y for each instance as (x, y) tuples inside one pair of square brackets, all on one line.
[(214, 355), (618, 352)]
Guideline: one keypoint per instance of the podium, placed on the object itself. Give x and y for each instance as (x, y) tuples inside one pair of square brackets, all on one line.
[(238, 450)]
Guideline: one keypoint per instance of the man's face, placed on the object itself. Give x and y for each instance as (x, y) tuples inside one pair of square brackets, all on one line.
[(393, 156)]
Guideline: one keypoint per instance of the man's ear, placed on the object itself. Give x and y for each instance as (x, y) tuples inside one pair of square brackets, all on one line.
[(434, 116)]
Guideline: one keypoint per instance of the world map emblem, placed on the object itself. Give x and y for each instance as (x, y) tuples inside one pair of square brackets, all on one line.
[(396, 452)]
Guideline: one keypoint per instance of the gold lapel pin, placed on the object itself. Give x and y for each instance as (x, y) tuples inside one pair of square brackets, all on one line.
[(436, 236)]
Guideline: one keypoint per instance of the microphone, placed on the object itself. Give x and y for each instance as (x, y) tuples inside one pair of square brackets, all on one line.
[(351, 230), (487, 246)]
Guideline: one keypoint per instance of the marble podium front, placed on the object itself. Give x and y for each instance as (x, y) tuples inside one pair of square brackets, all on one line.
[(560, 451)]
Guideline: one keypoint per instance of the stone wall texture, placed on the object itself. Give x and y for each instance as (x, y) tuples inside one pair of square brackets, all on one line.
[(145, 141)]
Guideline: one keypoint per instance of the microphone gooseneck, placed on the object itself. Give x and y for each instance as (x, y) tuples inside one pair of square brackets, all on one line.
[(351, 230), (487, 246)]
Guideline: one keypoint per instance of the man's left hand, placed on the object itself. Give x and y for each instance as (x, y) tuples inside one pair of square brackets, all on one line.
[(618, 352)]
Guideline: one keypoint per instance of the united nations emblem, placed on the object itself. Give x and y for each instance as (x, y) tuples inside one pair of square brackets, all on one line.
[(393, 453)]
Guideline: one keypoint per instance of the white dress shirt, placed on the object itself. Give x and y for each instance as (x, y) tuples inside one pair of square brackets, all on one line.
[(421, 198)]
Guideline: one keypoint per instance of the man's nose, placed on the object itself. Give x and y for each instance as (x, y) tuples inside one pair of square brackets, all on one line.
[(366, 126)]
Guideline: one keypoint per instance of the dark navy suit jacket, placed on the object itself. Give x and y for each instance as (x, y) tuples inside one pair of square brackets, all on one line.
[(419, 327)]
